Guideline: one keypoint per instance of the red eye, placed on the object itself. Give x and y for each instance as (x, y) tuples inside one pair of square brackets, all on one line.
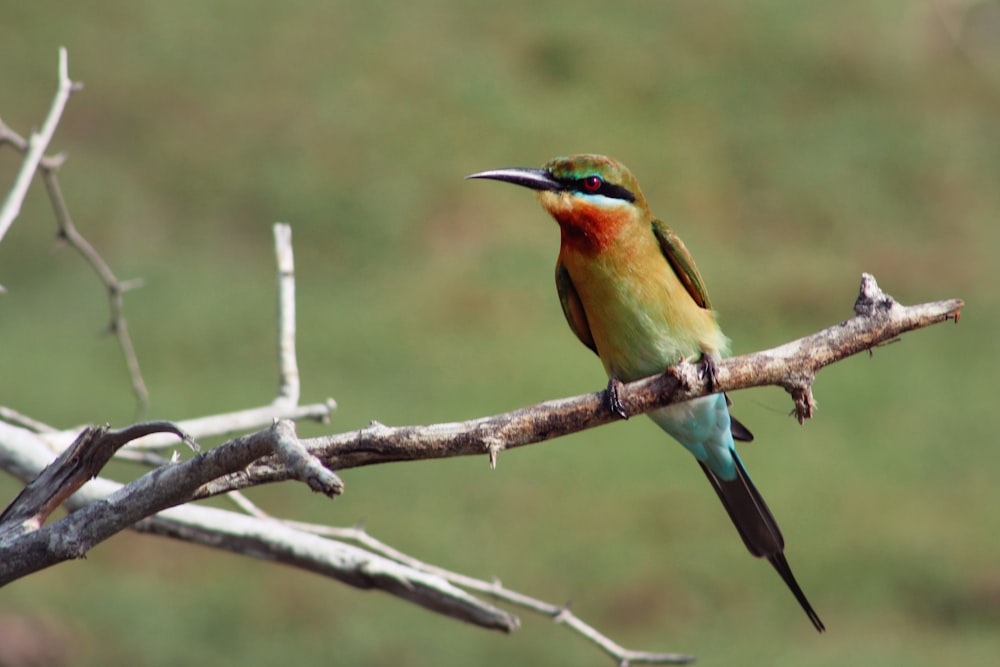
[(592, 183)]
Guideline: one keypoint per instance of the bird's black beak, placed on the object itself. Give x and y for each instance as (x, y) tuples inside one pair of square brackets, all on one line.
[(536, 179)]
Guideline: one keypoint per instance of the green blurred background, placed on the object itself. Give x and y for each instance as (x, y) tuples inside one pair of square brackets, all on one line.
[(793, 145)]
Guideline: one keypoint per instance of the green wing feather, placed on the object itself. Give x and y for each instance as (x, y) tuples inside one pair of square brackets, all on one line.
[(572, 307), (682, 263)]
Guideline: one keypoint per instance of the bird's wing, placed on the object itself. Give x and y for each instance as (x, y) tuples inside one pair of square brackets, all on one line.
[(572, 307), (681, 262)]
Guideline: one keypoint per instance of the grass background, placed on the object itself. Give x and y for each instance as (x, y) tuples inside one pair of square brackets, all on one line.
[(792, 145)]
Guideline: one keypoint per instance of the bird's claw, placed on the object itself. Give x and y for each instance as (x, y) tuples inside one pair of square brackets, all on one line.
[(709, 371), (614, 400)]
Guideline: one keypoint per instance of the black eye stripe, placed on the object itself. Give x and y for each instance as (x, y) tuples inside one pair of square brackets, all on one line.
[(607, 189)]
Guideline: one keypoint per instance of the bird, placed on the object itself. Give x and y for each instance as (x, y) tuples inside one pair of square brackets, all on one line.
[(631, 292)]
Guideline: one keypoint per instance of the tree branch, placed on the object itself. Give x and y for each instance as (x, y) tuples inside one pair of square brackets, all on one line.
[(879, 319), (22, 553), (35, 146), (83, 461), (101, 503), (793, 366), (33, 149)]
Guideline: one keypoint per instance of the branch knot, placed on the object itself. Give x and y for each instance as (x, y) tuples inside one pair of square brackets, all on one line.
[(871, 299)]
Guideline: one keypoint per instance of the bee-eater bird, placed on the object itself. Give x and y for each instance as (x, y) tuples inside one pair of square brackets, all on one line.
[(631, 292)]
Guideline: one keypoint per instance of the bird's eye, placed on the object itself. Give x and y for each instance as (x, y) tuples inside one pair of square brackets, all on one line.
[(592, 183)]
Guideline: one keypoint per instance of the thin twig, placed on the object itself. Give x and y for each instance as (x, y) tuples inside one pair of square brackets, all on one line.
[(34, 148), (494, 588), (12, 416), (247, 505), (115, 288), (288, 368), (36, 145)]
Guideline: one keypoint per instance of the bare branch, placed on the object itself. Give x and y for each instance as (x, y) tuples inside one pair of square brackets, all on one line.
[(167, 486), (83, 461), (288, 368), (792, 366), (34, 148), (36, 145), (103, 507)]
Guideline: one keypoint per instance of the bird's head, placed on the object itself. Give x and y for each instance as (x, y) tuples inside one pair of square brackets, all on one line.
[(592, 197)]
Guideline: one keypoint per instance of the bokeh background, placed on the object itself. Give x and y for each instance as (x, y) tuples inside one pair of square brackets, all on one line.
[(793, 145)]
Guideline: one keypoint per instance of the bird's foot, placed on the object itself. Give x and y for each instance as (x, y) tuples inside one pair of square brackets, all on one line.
[(614, 401), (708, 370)]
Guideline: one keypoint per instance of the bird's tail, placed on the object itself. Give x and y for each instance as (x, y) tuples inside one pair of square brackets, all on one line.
[(758, 528)]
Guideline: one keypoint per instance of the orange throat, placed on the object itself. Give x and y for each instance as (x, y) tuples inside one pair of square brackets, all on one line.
[(587, 228)]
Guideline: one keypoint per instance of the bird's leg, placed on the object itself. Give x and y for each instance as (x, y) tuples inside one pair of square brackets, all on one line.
[(708, 370), (614, 401)]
